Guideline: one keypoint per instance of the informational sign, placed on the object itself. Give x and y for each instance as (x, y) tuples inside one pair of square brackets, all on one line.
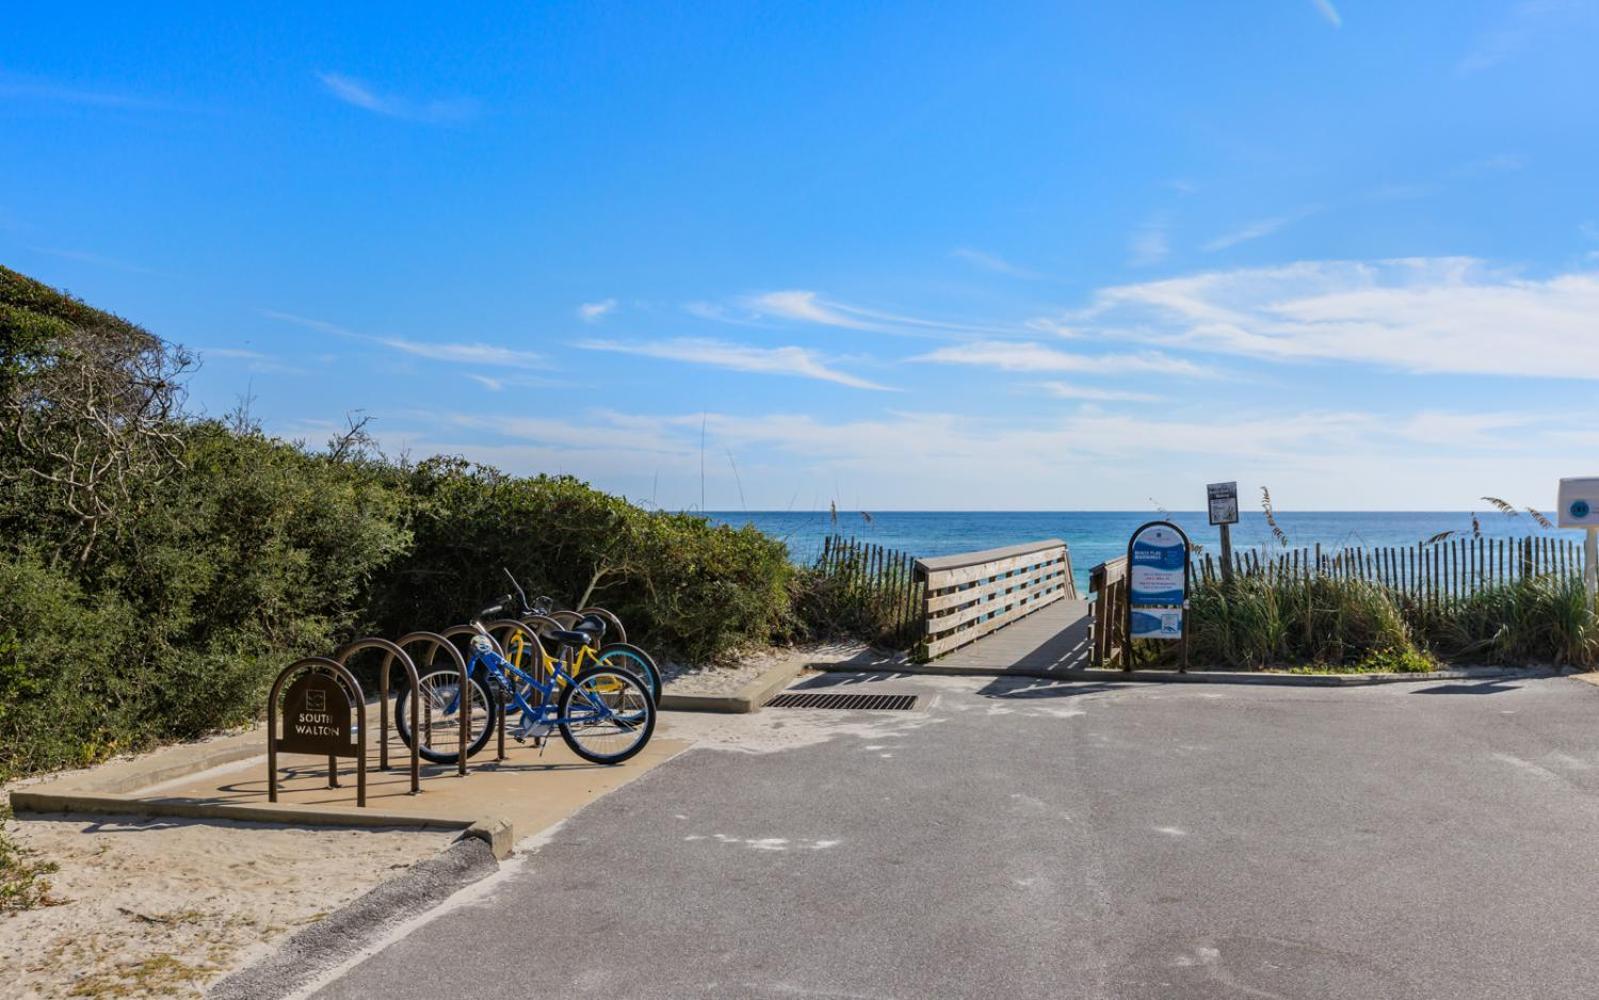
[(1223, 502), (316, 718), (1578, 505), (1157, 623), (1157, 566)]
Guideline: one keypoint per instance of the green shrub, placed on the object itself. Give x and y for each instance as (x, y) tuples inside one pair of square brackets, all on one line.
[(681, 584)]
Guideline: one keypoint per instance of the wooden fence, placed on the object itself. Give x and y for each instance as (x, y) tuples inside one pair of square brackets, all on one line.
[(969, 595), (1431, 574), (1434, 574), (877, 583)]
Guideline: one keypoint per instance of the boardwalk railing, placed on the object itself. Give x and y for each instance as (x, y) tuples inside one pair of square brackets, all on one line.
[(1107, 589), (877, 585), (968, 596), (1433, 574)]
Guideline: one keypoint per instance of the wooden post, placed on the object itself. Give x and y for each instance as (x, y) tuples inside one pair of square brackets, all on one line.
[(1226, 555)]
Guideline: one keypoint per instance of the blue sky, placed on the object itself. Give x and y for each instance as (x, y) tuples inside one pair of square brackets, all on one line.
[(916, 256)]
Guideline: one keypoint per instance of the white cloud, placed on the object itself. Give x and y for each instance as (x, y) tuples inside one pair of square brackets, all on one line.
[(472, 354), (809, 307), (491, 384), (1421, 315), (1429, 458), (1259, 228), (1328, 11), (1021, 356), (991, 262), (795, 361), (1088, 393), (591, 312), (361, 95)]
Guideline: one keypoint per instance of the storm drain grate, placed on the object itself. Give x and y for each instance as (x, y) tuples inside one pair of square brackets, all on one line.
[(873, 702)]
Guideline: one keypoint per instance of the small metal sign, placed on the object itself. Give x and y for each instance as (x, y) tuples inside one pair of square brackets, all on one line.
[(316, 718), (1223, 502)]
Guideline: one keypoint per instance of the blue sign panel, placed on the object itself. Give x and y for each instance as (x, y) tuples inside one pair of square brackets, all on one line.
[(1157, 567)]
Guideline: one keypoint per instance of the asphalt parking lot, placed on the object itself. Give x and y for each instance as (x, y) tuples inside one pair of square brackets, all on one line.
[(1027, 839)]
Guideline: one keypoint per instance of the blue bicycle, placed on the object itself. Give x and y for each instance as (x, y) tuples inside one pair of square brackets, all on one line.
[(605, 714)]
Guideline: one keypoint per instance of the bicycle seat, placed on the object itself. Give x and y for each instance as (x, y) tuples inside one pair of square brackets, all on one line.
[(592, 623), (571, 637)]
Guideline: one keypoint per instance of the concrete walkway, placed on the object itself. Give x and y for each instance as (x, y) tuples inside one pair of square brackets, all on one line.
[(1033, 839)]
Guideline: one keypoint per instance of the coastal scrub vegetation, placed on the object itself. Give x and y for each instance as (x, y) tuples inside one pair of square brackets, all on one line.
[(157, 568), (1358, 625)]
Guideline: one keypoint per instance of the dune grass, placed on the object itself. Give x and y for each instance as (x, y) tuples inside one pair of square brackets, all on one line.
[(1332, 624)]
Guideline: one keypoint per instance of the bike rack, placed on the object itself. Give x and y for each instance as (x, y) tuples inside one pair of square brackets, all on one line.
[(512, 625), (610, 619), (341, 674), (392, 652), (441, 640)]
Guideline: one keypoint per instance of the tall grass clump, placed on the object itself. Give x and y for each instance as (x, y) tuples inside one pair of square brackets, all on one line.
[(1324, 621), (1262, 620)]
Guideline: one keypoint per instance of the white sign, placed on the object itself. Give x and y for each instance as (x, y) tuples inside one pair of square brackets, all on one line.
[(1157, 567), (1223, 502), (1578, 506)]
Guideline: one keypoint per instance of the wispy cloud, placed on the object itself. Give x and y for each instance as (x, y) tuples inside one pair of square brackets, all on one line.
[(1088, 393), (991, 262), (1425, 315), (805, 306), (49, 92), (1328, 11), (1149, 244), (1259, 228), (1514, 33), (1017, 356), (796, 361), (362, 95), (473, 354), (99, 260), (254, 361), (592, 312)]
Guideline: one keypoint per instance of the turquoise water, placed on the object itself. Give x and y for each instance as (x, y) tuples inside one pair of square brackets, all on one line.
[(1095, 536)]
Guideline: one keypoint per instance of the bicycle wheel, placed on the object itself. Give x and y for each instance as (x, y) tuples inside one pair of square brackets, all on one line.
[(607, 715), (635, 661), (439, 716)]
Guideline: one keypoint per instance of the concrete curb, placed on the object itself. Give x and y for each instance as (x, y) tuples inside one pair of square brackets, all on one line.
[(1200, 676), (748, 698), (347, 930)]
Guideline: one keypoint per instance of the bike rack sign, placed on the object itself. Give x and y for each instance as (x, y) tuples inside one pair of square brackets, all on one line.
[(1157, 584), (316, 718)]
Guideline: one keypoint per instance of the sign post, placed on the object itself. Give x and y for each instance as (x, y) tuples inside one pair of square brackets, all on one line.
[(1579, 508), (1223, 505), (1157, 587)]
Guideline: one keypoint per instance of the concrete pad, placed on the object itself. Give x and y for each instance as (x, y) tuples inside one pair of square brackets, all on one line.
[(499, 802)]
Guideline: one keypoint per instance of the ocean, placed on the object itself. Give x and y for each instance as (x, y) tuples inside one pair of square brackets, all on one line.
[(1095, 536)]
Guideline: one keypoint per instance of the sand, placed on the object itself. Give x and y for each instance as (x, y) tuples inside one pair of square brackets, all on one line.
[(160, 907)]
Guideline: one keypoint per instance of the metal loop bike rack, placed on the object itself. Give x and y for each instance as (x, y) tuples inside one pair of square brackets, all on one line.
[(392, 653), (611, 620), (311, 665), (436, 641)]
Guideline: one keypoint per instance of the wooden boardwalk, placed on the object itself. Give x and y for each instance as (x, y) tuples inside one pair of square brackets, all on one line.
[(1052, 640)]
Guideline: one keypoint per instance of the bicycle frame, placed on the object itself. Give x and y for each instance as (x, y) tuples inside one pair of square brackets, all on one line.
[(546, 711)]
